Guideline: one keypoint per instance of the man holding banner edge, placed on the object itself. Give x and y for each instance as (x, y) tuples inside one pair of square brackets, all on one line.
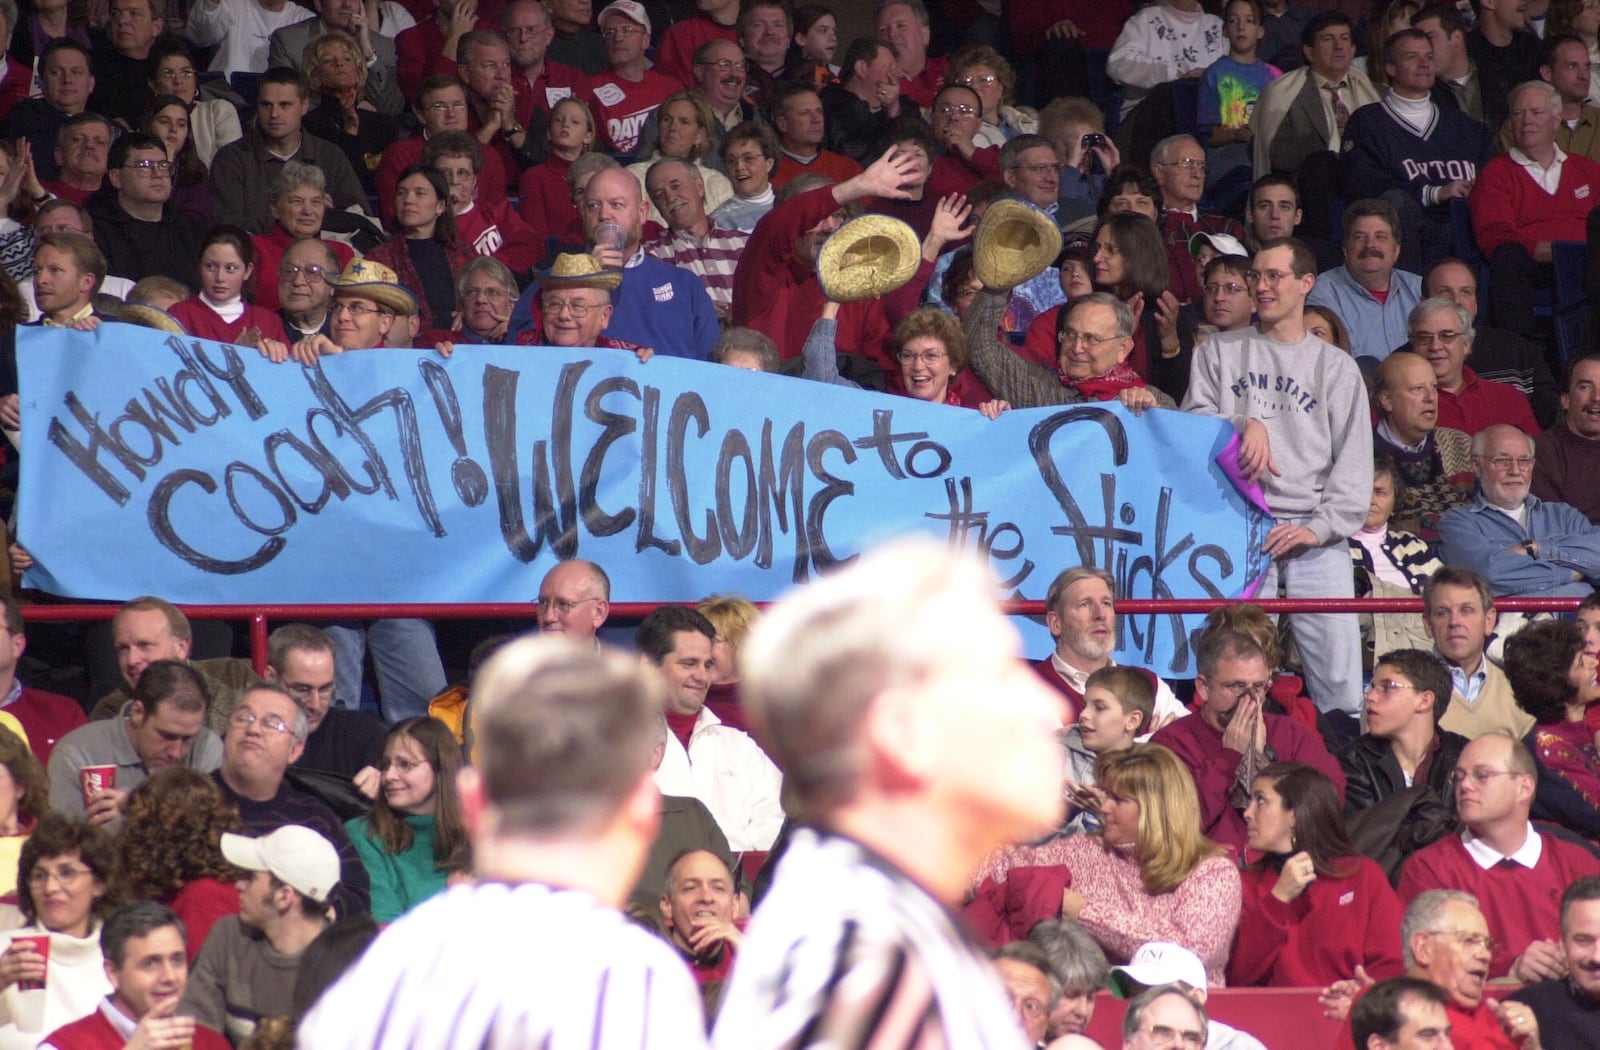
[(1299, 407)]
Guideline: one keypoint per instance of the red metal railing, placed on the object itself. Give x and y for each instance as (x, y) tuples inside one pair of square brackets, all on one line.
[(258, 616)]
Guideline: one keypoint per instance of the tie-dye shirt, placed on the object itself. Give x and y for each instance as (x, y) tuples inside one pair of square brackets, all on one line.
[(1229, 91)]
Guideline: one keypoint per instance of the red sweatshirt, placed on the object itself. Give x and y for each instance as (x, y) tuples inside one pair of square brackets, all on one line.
[(198, 319), (1507, 205), (1322, 935), (773, 292), (1521, 905), (1199, 745), (493, 228)]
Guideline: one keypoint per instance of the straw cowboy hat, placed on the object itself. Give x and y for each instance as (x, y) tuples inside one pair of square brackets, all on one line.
[(375, 281), (868, 258), (579, 270), (150, 317), (1015, 241)]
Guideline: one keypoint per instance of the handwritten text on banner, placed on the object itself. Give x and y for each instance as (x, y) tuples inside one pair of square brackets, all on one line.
[(201, 472)]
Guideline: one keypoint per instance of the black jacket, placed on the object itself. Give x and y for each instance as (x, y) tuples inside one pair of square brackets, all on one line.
[(853, 128), (1372, 773)]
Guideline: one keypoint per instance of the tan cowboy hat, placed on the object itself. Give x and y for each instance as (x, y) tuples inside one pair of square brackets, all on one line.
[(375, 281), (579, 270), (1015, 241), (868, 258), (150, 317)]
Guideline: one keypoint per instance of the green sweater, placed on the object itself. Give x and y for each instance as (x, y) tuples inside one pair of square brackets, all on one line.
[(400, 881)]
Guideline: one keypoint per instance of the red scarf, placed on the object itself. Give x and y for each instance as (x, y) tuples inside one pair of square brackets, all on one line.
[(1107, 386)]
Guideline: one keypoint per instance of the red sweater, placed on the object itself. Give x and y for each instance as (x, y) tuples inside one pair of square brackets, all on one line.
[(1508, 206), (1199, 746), (493, 228), (94, 1032), (419, 51), (835, 166), (406, 152), (546, 204), (200, 904), (773, 292), (922, 88), (1520, 906), (676, 48), (1099, 22), (1322, 935), (46, 718), (269, 253), (1482, 403), (198, 319)]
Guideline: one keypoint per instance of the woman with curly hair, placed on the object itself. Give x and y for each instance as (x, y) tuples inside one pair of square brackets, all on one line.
[(24, 801), (172, 849), (67, 884), (1552, 677), (414, 837)]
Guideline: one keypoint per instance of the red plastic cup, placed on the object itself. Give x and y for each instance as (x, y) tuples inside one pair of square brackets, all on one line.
[(41, 944), (96, 779)]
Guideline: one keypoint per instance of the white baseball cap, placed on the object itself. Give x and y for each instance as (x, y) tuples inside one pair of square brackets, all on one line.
[(1225, 243), (627, 8), (294, 855), (1157, 963)]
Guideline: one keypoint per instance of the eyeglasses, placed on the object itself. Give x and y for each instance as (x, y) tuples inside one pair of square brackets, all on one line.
[(1038, 169), (1443, 338), (927, 357), (66, 876), (312, 272), (174, 75), (1505, 463), (404, 765), (356, 310), (1094, 342), (621, 32), (1240, 690), (244, 718), (447, 107), (1481, 776), (1470, 941), (1255, 277), (560, 606), (1187, 164), (951, 110), (578, 310), (1231, 288), (149, 169), (494, 295), (1163, 1036), (1389, 685), (979, 80), (305, 690), (722, 65)]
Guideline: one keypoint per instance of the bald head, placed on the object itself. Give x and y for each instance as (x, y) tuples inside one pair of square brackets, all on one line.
[(614, 196), (574, 600)]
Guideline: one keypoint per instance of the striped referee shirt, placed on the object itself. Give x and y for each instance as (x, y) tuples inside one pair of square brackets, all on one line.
[(502, 967), (712, 258), (847, 951)]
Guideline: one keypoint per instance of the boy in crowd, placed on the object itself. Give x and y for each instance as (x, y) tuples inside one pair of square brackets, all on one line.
[(1230, 88), (1118, 703)]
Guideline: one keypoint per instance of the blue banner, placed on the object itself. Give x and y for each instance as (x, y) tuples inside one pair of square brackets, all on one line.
[(206, 474)]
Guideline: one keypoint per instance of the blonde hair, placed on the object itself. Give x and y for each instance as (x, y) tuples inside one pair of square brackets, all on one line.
[(1169, 843), (314, 51), (732, 615)]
